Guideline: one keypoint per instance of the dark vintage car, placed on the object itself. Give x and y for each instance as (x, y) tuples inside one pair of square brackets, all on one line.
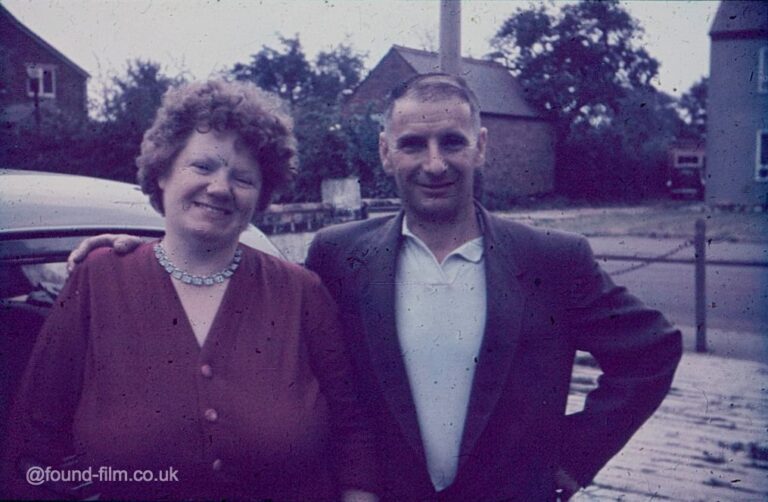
[(43, 216)]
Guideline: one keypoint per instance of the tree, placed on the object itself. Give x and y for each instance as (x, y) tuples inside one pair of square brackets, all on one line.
[(336, 72), (362, 136), (578, 63), (626, 157), (61, 143), (693, 110), (130, 105), (286, 73), (314, 91), (581, 66), (133, 99)]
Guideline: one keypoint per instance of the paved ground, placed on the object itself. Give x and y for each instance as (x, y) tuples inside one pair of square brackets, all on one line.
[(663, 219), (708, 440)]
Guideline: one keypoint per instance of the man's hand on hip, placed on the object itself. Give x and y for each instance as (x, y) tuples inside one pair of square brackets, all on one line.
[(566, 485)]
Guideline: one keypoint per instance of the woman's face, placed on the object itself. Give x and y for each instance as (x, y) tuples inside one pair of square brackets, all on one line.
[(211, 189)]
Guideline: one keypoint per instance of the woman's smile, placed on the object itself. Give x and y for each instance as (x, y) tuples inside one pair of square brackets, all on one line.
[(212, 189), (213, 209)]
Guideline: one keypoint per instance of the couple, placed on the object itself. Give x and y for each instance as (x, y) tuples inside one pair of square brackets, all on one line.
[(461, 327)]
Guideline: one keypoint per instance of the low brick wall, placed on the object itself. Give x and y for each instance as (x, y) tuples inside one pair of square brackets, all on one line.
[(304, 217)]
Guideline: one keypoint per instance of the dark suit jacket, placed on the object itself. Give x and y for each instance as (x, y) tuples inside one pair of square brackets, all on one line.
[(546, 298)]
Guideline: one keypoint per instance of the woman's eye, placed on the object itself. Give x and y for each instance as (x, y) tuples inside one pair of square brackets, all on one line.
[(244, 178), (201, 166)]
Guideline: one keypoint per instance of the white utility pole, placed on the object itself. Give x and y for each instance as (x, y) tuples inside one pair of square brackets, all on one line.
[(450, 36)]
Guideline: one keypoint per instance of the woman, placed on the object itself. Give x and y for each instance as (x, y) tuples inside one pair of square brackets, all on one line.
[(196, 354)]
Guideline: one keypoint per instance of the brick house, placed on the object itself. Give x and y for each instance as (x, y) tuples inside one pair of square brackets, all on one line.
[(737, 106), (28, 66), (521, 156)]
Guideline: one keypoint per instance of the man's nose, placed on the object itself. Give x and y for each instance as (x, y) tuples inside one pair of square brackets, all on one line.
[(435, 162)]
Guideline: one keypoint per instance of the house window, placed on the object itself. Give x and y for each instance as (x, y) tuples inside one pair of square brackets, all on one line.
[(685, 160), (41, 78), (761, 156), (762, 70)]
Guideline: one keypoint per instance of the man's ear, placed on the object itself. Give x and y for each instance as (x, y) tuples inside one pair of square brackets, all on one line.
[(384, 154), (482, 143)]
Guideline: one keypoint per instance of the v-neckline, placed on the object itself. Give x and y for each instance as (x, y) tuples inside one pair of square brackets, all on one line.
[(180, 312)]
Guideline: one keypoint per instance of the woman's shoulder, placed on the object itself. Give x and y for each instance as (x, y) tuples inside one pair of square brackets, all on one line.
[(106, 259)]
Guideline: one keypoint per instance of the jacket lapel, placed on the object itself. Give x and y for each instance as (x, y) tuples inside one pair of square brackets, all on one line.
[(378, 312), (505, 300)]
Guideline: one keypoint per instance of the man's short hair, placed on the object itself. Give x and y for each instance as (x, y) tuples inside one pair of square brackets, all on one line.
[(433, 87)]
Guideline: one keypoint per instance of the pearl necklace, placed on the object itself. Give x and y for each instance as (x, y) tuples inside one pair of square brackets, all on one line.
[(196, 280)]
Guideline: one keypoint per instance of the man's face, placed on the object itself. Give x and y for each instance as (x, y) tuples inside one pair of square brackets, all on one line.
[(432, 149)]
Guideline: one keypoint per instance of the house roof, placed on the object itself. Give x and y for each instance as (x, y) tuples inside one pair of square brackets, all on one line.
[(740, 19), (42, 43), (497, 90)]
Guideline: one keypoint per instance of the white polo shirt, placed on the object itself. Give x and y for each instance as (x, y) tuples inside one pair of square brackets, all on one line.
[(440, 311)]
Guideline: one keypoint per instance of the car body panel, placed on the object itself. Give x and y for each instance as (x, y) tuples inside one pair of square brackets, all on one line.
[(46, 212)]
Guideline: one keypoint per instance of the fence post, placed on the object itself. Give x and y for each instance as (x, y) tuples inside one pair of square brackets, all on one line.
[(701, 285)]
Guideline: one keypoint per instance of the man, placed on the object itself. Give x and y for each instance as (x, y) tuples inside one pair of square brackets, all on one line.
[(463, 326)]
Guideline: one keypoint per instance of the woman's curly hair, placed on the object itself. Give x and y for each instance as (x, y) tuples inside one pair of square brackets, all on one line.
[(254, 114)]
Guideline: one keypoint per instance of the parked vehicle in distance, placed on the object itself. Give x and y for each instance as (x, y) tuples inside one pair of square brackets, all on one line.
[(43, 216), (686, 170)]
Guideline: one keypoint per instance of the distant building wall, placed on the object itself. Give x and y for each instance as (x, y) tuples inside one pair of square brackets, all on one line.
[(17, 50), (374, 90), (520, 158), (736, 110)]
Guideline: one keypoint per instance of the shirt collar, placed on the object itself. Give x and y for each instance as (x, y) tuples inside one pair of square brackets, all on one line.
[(471, 251)]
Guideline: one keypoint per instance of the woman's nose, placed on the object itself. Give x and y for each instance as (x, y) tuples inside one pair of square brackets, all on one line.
[(219, 183)]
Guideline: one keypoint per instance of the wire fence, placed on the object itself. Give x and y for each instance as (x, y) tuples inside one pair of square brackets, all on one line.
[(699, 242), (646, 261)]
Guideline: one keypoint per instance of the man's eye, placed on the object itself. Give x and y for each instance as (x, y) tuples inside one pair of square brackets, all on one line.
[(245, 181), (453, 143), (410, 145)]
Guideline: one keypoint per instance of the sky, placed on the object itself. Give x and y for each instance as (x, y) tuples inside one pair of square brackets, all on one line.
[(200, 38)]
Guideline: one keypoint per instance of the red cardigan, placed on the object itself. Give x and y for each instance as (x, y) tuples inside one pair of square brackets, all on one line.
[(265, 409)]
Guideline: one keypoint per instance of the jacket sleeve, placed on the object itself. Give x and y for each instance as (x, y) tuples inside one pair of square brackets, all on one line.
[(40, 425), (352, 441), (637, 350), (316, 259), (313, 255)]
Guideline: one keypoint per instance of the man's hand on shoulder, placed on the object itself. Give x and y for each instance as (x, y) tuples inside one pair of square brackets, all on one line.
[(121, 243)]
